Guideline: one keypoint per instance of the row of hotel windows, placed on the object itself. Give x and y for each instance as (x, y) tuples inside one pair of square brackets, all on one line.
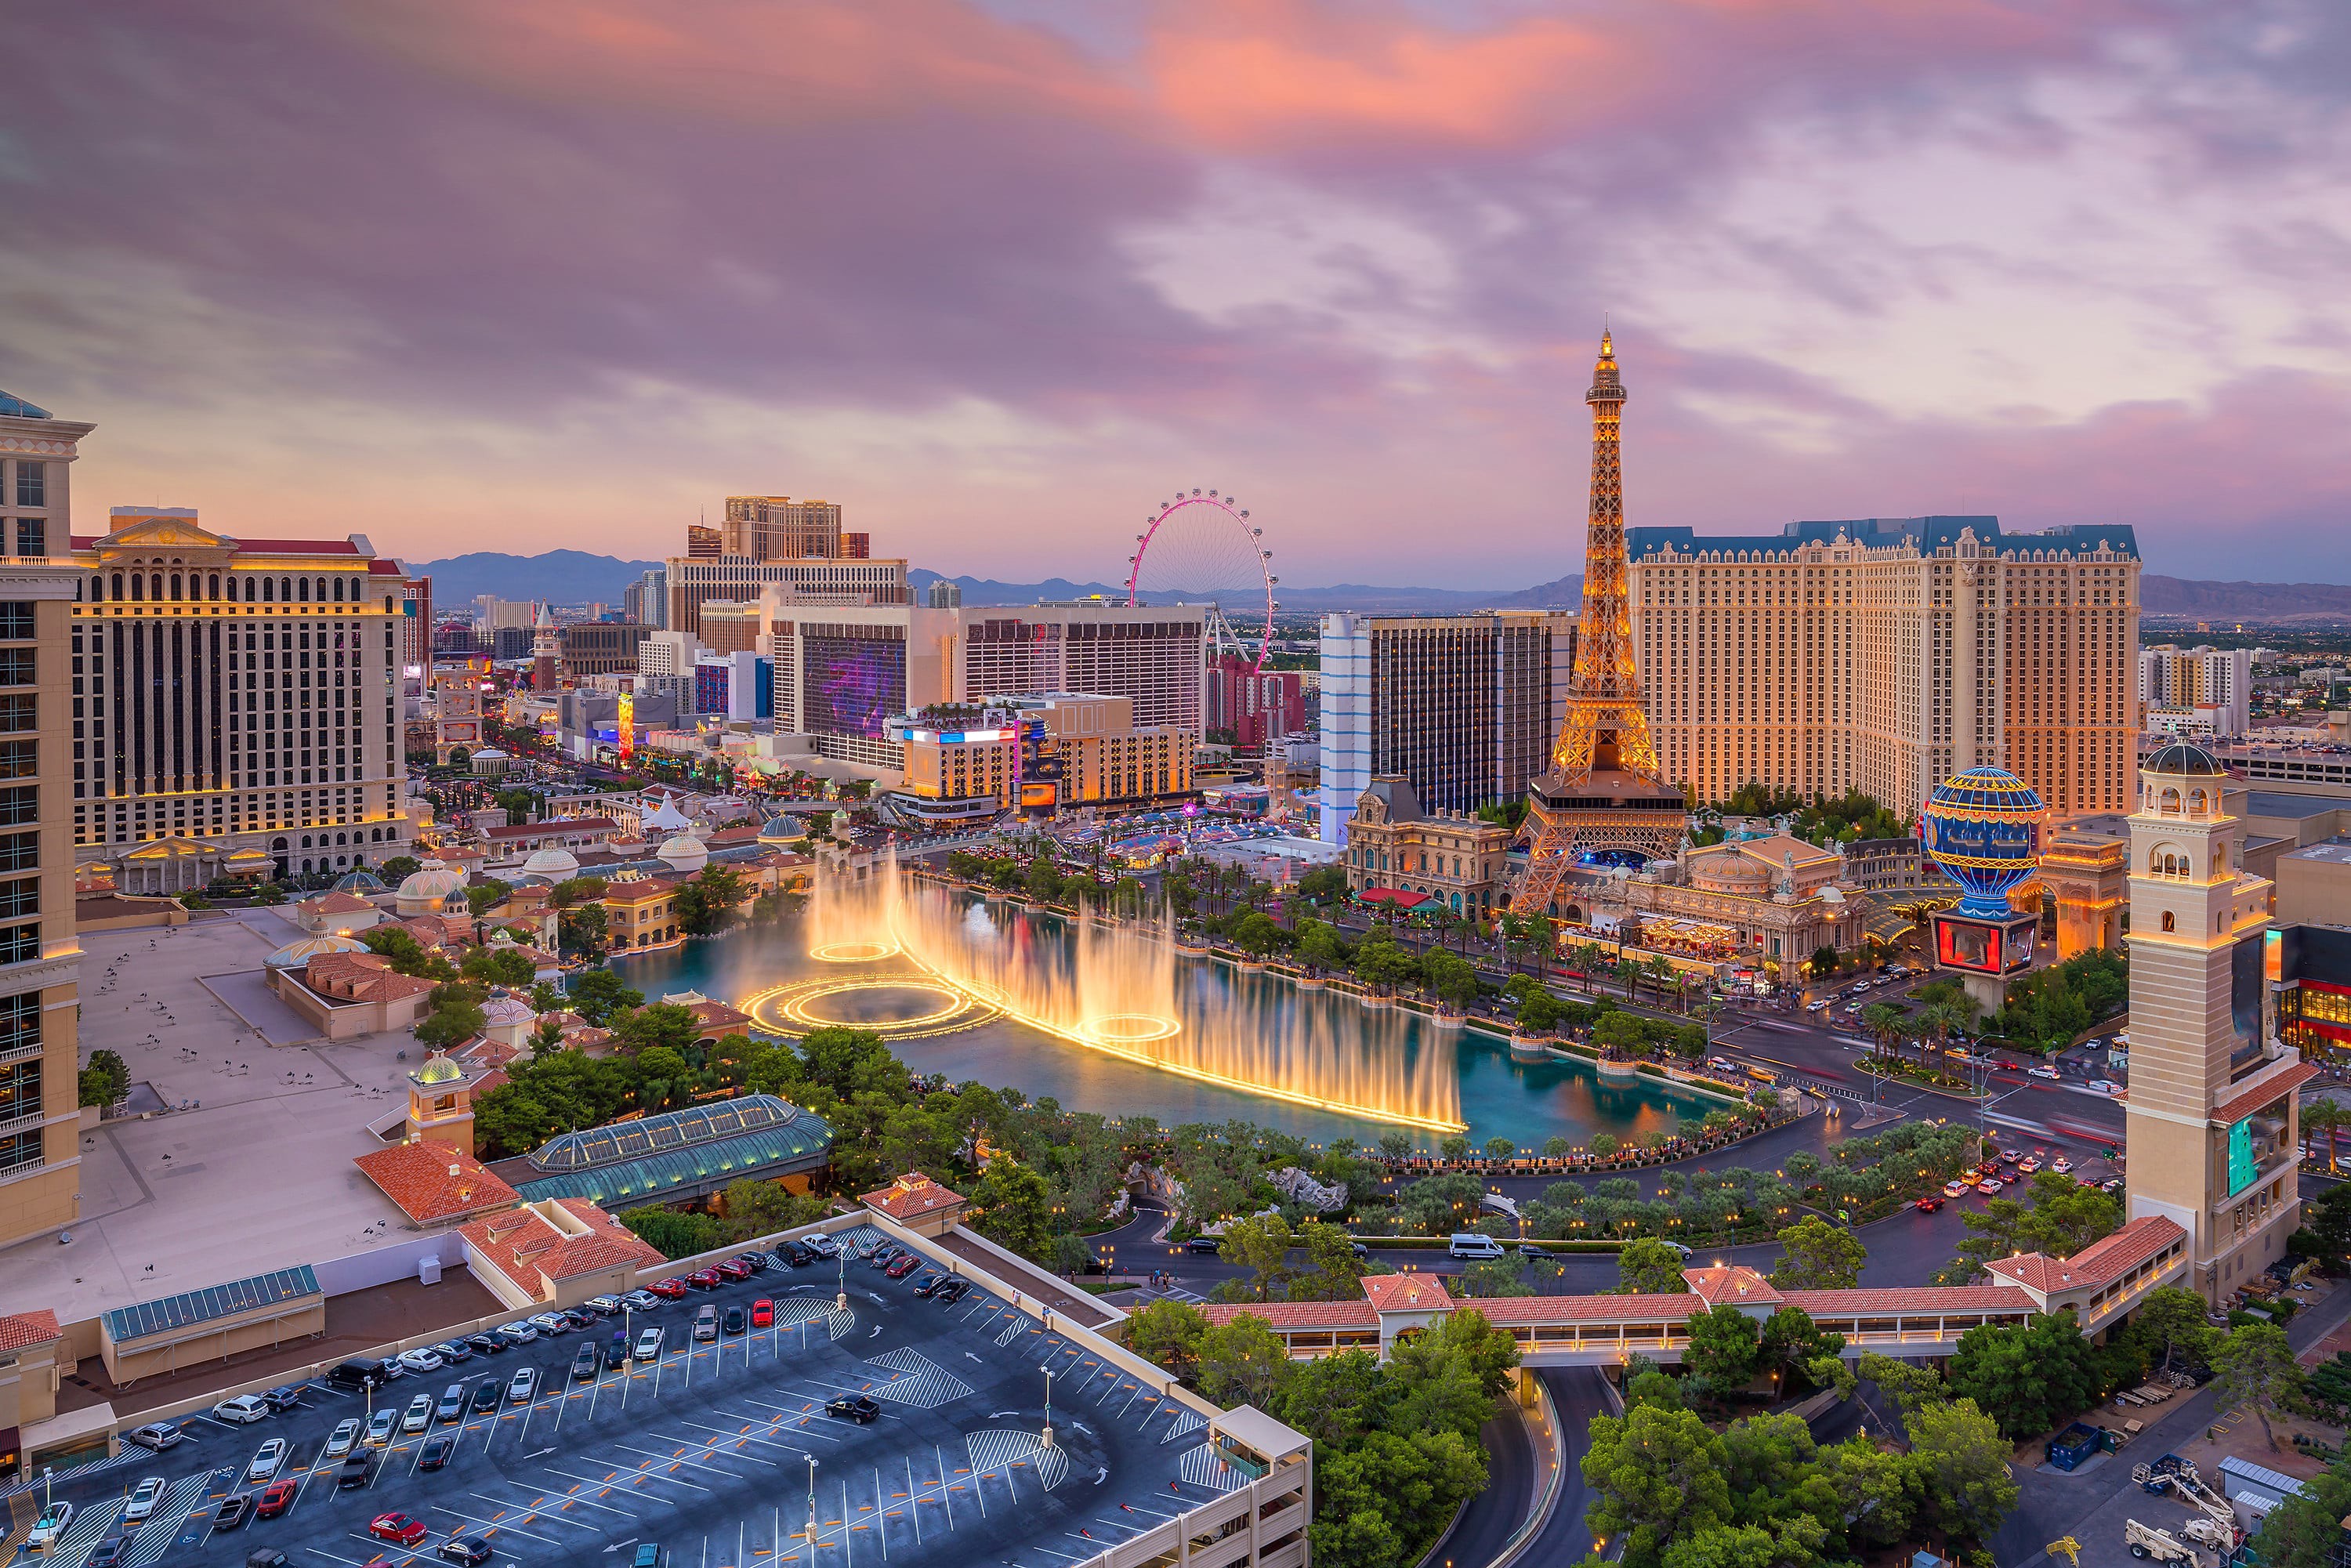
[(146, 587)]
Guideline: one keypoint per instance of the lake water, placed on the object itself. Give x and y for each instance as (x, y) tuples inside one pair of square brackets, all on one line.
[(1318, 1038)]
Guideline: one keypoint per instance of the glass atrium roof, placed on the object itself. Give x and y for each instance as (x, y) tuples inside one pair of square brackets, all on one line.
[(124, 1324), (670, 1131), (779, 1148)]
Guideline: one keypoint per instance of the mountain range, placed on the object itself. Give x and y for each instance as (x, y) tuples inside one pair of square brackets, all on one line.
[(576, 577)]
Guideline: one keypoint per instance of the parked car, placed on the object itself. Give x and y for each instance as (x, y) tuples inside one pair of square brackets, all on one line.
[(704, 1278), (453, 1404), (419, 1415), (734, 1269), (284, 1397), (858, 1407), (397, 1528), (454, 1352), (641, 1300), (881, 1257), (763, 1314), (343, 1438), (355, 1471), (928, 1285), (435, 1453), (906, 1263), (668, 1290), (51, 1525), (233, 1512), (822, 1245), (705, 1323), (277, 1498), (603, 1306), (518, 1334), (267, 1557), (422, 1360), (382, 1427), (551, 1323), (1989, 1185), (242, 1409), (485, 1396), (143, 1498), (1955, 1189), (486, 1344), (108, 1553), (797, 1254), (953, 1291), (523, 1385), (577, 1318), (587, 1364), (2010, 1156), (733, 1322), (267, 1460), (468, 1549), (649, 1554), (649, 1344), (156, 1435)]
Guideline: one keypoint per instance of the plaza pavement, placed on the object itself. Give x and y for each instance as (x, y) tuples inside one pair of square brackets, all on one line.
[(255, 1173)]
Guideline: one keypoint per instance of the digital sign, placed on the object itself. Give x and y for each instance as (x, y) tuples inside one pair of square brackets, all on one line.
[(1982, 947), (2242, 1166)]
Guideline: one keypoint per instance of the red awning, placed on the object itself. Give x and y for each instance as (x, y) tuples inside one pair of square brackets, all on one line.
[(1397, 896)]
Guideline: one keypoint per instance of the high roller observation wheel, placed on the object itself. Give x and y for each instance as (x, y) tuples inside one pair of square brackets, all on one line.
[(1250, 560)]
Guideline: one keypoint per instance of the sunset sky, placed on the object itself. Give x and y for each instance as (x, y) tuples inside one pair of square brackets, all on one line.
[(999, 275)]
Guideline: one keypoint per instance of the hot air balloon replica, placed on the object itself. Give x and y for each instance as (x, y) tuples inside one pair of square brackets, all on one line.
[(1983, 828)]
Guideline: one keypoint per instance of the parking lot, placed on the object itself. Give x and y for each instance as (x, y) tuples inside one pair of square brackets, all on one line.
[(706, 1451)]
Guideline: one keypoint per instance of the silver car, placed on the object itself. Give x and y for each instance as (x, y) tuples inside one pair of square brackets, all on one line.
[(343, 1439), (266, 1461), (143, 1498)]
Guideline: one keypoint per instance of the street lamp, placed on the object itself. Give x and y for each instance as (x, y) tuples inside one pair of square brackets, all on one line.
[(1047, 1438), (811, 1523)]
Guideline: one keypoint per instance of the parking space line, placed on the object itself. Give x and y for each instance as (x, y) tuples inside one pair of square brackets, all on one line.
[(488, 1526)]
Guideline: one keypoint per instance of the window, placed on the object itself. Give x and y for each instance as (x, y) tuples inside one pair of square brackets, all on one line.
[(18, 713), (18, 758), (20, 944), (15, 618), (32, 483), (16, 666), (18, 899), (32, 537), (20, 805), (2169, 923)]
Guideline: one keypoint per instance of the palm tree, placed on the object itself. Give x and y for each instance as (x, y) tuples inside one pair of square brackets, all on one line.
[(2320, 1118), (1885, 1023), (1660, 973)]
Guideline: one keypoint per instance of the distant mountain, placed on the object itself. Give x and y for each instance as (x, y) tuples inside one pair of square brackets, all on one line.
[(2244, 601), (559, 576), (1563, 593)]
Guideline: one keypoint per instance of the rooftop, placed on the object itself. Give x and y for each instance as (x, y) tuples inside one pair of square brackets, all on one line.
[(433, 1182), (165, 1314)]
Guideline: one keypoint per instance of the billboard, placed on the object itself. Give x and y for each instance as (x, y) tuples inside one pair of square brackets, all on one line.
[(2242, 1166), (1984, 946)]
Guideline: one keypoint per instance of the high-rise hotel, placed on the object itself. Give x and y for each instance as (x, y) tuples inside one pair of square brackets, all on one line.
[(40, 1134), (236, 702), (1888, 654)]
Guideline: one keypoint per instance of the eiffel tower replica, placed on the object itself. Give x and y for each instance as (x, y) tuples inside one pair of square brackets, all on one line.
[(1603, 789)]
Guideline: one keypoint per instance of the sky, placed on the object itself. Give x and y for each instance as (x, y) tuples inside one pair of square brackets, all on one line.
[(1002, 276)]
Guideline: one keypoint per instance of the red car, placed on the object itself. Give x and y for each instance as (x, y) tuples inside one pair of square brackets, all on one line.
[(763, 1314), (734, 1269), (903, 1267), (668, 1290), (704, 1278), (398, 1529), (1928, 1204), (277, 1498)]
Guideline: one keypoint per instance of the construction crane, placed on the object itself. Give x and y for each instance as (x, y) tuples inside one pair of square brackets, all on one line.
[(2146, 1541), (2068, 1547)]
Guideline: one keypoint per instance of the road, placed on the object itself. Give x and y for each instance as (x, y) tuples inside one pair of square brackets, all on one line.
[(1490, 1517), (1578, 1394)]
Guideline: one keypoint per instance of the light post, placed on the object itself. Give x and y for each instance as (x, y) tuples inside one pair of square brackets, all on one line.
[(841, 1301), (1047, 1438), (811, 1523)]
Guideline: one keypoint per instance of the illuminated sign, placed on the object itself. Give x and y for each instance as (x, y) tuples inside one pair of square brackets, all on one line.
[(1983, 947), (2242, 1166), (625, 726)]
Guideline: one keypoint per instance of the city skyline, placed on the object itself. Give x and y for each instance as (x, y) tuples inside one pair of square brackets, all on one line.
[(995, 276)]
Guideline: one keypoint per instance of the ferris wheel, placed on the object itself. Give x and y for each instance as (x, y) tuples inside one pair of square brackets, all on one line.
[(1202, 549)]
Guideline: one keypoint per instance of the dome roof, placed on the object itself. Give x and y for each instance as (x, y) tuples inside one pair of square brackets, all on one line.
[(434, 881), (783, 829), (553, 861), (508, 1010), (683, 850), (2182, 758), (296, 955), (359, 882), (438, 1069), (1995, 788)]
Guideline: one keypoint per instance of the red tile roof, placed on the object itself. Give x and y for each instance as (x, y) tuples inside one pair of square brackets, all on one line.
[(2245, 1105), (361, 978), (2100, 1263), (523, 1245), (1407, 1293), (1357, 1314), (1515, 1311), (1911, 1299), (20, 1329), (1730, 1283), (417, 1176), (911, 1196), (336, 904)]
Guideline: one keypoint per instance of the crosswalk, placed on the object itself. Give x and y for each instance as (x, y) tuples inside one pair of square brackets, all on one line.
[(1187, 1421), (1203, 1467), (164, 1523)]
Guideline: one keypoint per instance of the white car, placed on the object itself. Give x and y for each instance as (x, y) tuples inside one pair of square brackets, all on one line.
[(422, 1360), (49, 1526), (2106, 1086), (244, 1408), (2049, 1072), (420, 1414), (343, 1439), (143, 1498), (266, 1461), (1819, 1007)]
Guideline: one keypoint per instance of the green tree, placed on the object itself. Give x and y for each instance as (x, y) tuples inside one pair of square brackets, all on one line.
[(1243, 1362), (2254, 1368), (1258, 935), (1817, 1255), (2031, 1378), (106, 1080), (1647, 1267), (486, 894), (663, 1024), (399, 868), (1168, 1333), (1724, 1345), (454, 1016), (598, 994), (710, 902), (1261, 1246), (407, 955), (497, 966), (1493, 1277), (673, 1234), (1656, 1475), (2173, 1321), (1333, 1272), (1962, 1458), (2306, 1531), (1792, 1343), (1383, 966), (1325, 884), (755, 1209), (1910, 1383), (1015, 1207)]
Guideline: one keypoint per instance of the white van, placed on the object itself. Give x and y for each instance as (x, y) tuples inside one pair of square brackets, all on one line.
[(1469, 1244)]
